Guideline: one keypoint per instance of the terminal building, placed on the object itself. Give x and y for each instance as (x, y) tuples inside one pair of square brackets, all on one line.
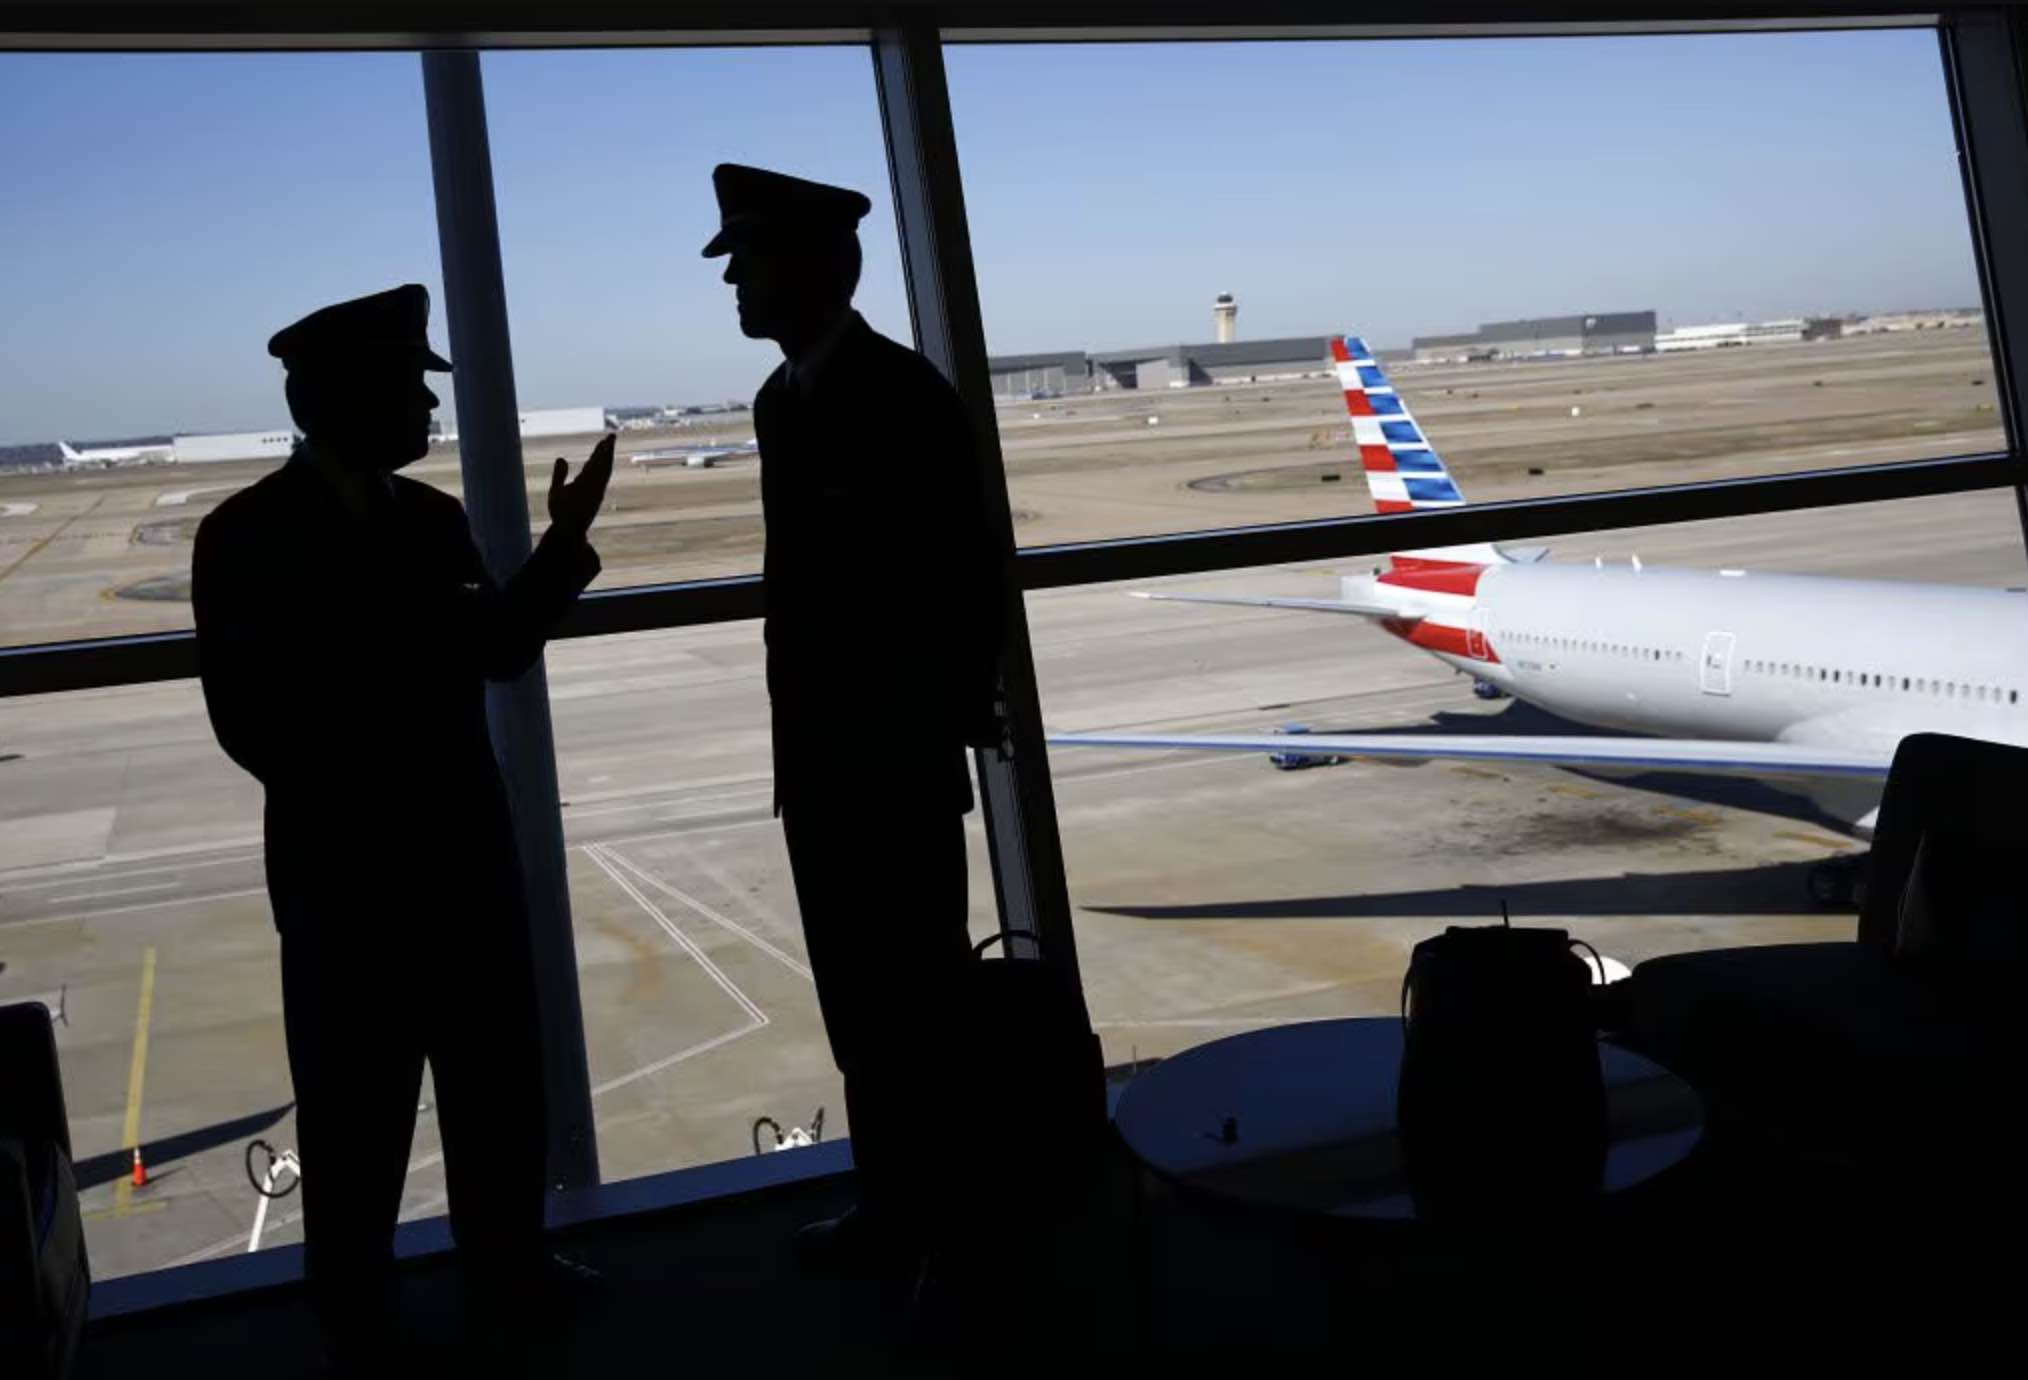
[(563, 421), (1787, 330), (1947, 318), (1048, 375), (273, 444), (1544, 337)]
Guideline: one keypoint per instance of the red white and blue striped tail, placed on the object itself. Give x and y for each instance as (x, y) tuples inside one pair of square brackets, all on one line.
[(1403, 471)]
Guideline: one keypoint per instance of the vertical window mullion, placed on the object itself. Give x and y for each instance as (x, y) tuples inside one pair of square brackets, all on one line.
[(496, 501), (1015, 791), (1982, 73)]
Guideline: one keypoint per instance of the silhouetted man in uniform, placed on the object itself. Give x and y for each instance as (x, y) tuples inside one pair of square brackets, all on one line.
[(346, 631), (884, 601)]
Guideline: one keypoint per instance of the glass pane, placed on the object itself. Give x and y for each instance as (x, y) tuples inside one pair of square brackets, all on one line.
[(1214, 892), (605, 202), (1664, 278), (133, 901), (158, 232), (699, 1010)]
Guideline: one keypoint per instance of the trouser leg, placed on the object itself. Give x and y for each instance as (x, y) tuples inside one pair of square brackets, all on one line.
[(486, 1057), (883, 900), (356, 1063)]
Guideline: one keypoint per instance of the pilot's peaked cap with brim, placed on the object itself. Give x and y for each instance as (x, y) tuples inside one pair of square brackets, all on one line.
[(755, 202), (391, 326)]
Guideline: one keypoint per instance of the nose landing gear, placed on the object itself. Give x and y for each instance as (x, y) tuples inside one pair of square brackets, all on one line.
[(1839, 883)]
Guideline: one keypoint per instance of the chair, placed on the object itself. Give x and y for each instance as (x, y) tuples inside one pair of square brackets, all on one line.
[(1889, 1056), (45, 1278)]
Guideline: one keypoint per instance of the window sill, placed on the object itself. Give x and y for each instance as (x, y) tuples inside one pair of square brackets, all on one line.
[(428, 1236)]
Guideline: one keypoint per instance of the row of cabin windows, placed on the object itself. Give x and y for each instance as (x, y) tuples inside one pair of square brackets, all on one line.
[(1873, 680), (1579, 644), (1919, 685)]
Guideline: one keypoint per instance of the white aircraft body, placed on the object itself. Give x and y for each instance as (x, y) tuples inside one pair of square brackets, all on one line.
[(118, 454), (696, 457), (1806, 681)]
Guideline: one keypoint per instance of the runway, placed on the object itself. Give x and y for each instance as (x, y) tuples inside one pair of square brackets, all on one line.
[(1212, 893)]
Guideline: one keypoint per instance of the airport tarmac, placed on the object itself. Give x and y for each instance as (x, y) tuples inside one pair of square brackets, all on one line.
[(1212, 893), (107, 553)]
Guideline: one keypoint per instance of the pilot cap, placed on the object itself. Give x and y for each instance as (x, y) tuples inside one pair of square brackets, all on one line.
[(392, 324), (754, 200)]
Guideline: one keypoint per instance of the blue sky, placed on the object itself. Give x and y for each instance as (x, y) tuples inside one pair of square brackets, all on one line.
[(162, 214)]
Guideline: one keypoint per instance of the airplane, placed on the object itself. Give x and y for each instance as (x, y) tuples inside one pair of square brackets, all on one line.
[(106, 454), (1806, 682), (696, 458)]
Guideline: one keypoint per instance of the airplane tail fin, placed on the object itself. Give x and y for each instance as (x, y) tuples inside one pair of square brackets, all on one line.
[(67, 451), (1404, 473)]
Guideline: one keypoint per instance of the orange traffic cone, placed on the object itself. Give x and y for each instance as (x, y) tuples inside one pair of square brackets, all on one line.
[(140, 1170)]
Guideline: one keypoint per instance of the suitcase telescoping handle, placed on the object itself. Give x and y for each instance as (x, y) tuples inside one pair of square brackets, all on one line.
[(979, 949)]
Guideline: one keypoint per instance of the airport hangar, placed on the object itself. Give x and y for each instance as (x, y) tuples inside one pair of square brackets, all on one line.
[(1055, 373), (1595, 333), (1158, 366)]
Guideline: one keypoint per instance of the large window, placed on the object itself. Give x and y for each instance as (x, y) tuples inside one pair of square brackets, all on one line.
[(1215, 891), (605, 202), (168, 213), (1217, 280), (133, 902), (699, 1010), (700, 1015), (131, 883), (1680, 265)]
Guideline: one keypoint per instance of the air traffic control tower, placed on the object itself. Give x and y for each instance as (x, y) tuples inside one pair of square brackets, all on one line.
[(1225, 313)]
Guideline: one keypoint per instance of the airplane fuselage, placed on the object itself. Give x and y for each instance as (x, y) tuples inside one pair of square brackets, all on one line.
[(1824, 662)]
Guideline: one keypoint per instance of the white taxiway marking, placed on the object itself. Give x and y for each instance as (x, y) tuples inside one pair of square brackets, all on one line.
[(8, 510), (159, 856), (78, 916), (685, 833), (789, 961), (648, 1070), (176, 498), (596, 852), (122, 874), (1173, 760), (745, 897), (749, 793), (115, 891)]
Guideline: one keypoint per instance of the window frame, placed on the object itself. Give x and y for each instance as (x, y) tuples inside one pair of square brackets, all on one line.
[(1981, 49)]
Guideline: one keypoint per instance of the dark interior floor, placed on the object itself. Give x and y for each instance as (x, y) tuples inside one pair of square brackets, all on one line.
[(1743, 1257)]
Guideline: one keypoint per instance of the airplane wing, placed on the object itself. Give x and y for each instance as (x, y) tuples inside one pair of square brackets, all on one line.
[(1698, 756), (1312, 605)]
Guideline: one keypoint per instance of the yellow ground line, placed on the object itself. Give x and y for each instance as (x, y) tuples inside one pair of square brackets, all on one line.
[(119, 1210), (137, 1073), (1815, 840), (32, 552)]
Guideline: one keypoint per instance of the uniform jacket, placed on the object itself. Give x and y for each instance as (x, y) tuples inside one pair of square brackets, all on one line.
[(884, 590), (344, 658)]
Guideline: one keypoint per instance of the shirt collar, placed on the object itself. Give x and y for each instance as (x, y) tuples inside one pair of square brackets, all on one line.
[(804, 371)]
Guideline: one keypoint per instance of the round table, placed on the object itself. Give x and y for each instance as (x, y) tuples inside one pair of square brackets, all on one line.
[(1302, 1117)]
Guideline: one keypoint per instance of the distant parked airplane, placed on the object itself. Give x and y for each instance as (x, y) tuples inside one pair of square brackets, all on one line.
[(695, 457)]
